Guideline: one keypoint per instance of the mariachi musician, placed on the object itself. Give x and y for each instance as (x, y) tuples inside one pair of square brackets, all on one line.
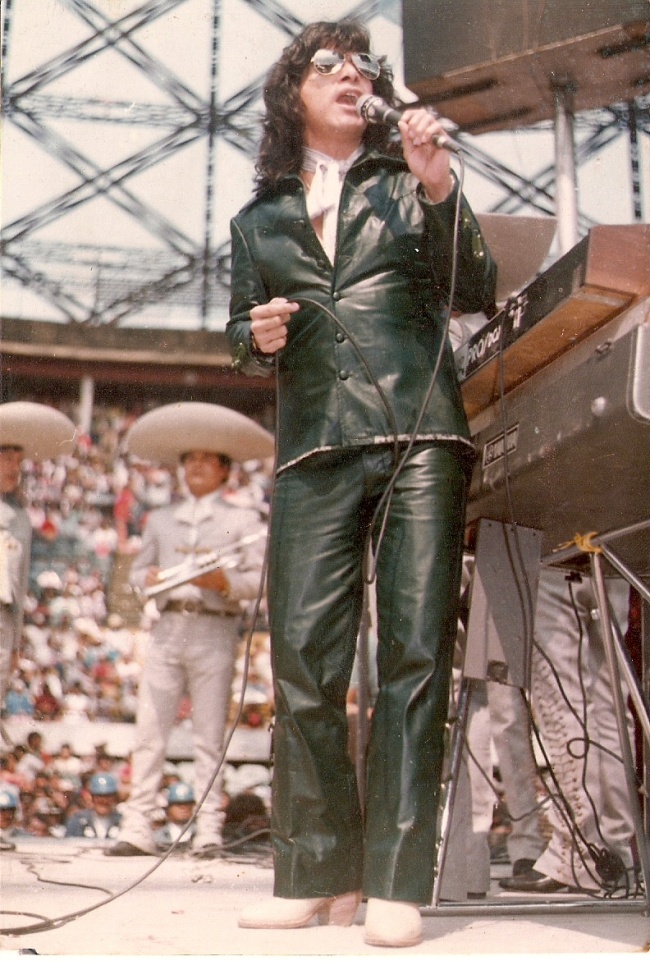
[(34, 432), (194, 642)]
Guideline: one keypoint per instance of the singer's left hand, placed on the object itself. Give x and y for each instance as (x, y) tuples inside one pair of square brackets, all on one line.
[(430, 164)]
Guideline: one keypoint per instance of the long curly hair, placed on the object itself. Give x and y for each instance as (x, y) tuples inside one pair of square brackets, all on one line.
[(281, 146)]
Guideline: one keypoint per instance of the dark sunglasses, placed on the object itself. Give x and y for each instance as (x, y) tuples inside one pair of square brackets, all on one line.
[(328, 62)]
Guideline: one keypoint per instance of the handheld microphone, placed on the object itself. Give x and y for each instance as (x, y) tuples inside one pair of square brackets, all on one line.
[(375, 110)]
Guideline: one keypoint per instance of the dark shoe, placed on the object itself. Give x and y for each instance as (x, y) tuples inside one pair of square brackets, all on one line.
[(532, 883), (207, 852), (7, 845), (124, 849), (522, 866), (181, 848)]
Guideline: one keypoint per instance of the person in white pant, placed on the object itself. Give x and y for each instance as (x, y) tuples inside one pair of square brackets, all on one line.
[(33, 431), (497, 716), (193, 646), (578, 727)]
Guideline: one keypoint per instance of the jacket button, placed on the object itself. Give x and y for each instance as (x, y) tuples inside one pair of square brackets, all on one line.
[(336, 295), (344, 374), (340, 337)]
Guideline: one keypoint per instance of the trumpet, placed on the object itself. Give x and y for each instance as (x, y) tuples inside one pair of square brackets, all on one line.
[(196, 566)]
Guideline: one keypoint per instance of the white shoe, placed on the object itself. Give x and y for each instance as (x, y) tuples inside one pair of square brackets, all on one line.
[(392, 924), (298, 912)]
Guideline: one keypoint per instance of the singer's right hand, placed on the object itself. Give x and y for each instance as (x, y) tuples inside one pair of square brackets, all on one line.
[(430, 164), (269, 324)]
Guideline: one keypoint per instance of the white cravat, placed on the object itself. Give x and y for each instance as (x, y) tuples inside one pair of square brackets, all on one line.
[(324, 193)]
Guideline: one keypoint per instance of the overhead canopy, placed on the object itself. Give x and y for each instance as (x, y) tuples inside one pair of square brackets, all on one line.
[(495, 65)]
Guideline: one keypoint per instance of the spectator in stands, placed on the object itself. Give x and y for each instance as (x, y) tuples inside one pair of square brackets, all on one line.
[(9, 828), (246, 819), (34, 759), (38, 826), (103, 819), (66, 764), (104, 541), (77, 704), (66, 607), (46, 706), (53, 816), (18, 700), (125, 514), (180, 808), (65, 795), (10, 777), (104, 762)]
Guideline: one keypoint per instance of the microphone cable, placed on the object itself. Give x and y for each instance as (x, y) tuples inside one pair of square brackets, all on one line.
[(54, 923), (604, 859), (401, 456), (383, 505)]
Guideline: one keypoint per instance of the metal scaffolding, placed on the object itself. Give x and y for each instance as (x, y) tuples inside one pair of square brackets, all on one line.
[(111, 282)]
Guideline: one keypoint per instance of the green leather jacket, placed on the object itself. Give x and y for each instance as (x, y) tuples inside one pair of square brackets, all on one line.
[(388, 289)]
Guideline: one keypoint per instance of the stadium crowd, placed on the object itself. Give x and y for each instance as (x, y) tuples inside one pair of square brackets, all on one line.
[(80, 657)]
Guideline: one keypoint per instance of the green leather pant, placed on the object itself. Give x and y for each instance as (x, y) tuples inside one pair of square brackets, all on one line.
[(323, 843)]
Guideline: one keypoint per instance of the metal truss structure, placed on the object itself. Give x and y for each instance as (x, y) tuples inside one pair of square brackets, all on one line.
[(114, 280), (598, 129)]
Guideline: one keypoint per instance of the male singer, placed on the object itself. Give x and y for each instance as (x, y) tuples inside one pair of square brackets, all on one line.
[(341, 275)]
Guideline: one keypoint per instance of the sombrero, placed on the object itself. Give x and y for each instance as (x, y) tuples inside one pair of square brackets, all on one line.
[(40, 430), (167, 432)]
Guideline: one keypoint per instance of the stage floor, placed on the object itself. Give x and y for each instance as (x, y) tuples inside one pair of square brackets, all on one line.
[(190, 907)]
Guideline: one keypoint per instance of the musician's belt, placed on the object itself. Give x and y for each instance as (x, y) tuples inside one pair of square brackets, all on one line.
[(190, 606)]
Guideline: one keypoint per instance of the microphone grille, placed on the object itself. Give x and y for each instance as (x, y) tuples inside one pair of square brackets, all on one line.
[(362, 104)]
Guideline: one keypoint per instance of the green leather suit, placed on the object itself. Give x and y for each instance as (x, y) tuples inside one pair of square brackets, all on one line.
[(351, 387)]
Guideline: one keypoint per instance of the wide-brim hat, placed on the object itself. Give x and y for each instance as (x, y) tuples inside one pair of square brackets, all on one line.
[(164, 434), (41, 431)]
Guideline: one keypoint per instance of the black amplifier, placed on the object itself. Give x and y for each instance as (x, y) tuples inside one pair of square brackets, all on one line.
[(568, 451)]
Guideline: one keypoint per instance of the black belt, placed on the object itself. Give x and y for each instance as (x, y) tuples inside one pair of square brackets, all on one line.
[(195, 607)]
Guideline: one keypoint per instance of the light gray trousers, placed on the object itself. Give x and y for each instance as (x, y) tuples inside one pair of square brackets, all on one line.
[(193, 654), (589, 770)]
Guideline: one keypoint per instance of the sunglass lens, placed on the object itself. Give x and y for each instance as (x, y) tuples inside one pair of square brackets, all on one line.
[(327, 61), (367, 65)]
